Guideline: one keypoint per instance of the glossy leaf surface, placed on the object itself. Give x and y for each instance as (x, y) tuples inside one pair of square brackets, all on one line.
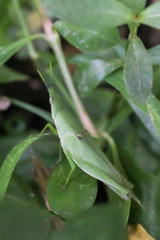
[(155, 117), (155, 54), (19, 217), (148, 191), (88, 40), (77, 196), (89, 14), (22, 212), (98, 223), (151, 16), (136, 6), (7, 51), (141, 109), (138, 74), (8, 75), (88, 76), (10, 162)]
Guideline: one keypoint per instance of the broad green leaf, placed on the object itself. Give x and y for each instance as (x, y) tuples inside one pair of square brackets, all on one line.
[(155, 55), (152, 112), (8, 75), (151, 16), (36, 110), (88, 40), (118, 52), (76, 197), (103, 222), (96, 108), (136, 5), (156, 82), (125, 205), (118, 118), (88, 76), (23, 220), (116, 79), (46, 149), (148, 191), (147, 158), (89, 14), (6, 21), (80, 58), (21, 213), (155, 117), (138, 74), (7, 51), (141, 109), (144, 116), (10, 162)]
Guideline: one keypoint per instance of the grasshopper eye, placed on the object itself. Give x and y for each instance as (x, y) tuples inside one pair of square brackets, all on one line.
[(79, 136)]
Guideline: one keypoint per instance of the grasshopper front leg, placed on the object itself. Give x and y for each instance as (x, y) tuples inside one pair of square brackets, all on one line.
[(51, 127)]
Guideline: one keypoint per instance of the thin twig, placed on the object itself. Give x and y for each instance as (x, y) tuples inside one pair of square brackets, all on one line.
[(55, 43), (33, 54)]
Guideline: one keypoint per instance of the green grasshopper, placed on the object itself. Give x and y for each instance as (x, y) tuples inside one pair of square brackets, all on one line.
[(81, 150)]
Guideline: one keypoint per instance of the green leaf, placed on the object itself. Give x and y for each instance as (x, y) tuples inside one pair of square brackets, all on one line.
[(151, 16), (95, 106), (118, 51), (33, 109), (156, 82), (155, 55), (99, 223), (21, 213), (141, 109), (10, 162), (89, 14), (43, 149), (150, 115), (147, 190), (88, 40), (23, 220), (88, 76), (138, 74), (8, 75), (7, 51), (125, 205), (80, 58), (155, 117), (119, 117), (136, 5), (76, 197)]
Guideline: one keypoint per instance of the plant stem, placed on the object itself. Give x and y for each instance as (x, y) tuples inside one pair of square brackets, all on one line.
[(114, 150), (33, 54), (133, 30), (55, 43)]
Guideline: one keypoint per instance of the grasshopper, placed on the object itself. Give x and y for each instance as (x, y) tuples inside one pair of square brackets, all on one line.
[(81, 150)]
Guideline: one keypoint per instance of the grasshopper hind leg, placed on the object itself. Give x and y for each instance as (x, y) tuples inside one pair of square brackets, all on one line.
[(73, 166)]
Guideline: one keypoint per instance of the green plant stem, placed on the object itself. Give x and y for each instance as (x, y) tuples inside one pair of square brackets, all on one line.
[(55, 43), (133, 27), (33, 54), (114, 150)]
